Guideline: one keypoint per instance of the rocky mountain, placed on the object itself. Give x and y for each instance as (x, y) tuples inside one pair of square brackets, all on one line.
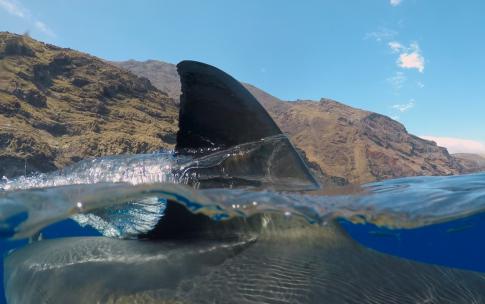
[(471, 162), (162, 75), (352, 144), (58, 106)]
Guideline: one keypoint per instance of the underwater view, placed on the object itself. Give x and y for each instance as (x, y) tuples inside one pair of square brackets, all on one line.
[(242, 152), (140, 231), (234, 215)]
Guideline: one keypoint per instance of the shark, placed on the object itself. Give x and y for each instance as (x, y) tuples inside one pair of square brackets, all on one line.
[(263, 257)]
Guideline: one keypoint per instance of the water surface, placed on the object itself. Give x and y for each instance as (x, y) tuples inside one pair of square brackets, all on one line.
[(436, 220)]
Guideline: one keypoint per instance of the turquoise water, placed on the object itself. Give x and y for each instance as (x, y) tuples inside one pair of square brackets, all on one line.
[(436, 220)]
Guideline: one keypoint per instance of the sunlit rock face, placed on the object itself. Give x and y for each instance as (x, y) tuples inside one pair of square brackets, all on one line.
[(58, 106), (471, 162), (341, 143)]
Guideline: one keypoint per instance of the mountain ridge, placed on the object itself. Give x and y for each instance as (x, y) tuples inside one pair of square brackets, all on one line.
[(355, 145), (58, 106)]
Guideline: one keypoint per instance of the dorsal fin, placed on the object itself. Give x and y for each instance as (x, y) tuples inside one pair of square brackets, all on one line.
[(217, 111)]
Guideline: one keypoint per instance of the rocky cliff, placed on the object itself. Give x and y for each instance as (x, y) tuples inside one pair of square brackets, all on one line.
[(58, 106), (162, 75), (471, 162), (341, 141)]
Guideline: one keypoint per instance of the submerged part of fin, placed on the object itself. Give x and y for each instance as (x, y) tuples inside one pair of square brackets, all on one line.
[(217, 111)]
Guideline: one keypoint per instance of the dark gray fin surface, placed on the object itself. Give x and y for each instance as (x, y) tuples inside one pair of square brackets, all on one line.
[(218, 113), (287, 261)]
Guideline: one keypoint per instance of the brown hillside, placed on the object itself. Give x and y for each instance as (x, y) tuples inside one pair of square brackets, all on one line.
[(58, 106), (471, 162), (342, 141), (162, 75)]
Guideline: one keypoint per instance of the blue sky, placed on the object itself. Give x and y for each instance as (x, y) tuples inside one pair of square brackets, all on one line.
[(419, 61)]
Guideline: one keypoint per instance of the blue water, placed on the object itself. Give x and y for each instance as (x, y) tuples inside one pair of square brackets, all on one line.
[(459, 243), (437, 220)]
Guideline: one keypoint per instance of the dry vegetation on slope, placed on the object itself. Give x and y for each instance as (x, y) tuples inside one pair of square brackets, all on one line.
[(58, 106), (339, 140)]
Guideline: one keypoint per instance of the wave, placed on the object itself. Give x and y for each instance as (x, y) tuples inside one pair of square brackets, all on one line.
[(262, 242), (123, 196)]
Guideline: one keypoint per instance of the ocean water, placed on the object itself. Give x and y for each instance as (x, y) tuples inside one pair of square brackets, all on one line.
[(433, 220)]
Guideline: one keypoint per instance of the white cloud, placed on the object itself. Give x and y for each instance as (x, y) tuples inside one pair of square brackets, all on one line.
[(409, 57), (420, 84), (16, 9), (395, 46), (395, 2), (458, 145), (13, 8), (404, 107), (398, 80), (383, 34), (41, 26), (412, 60)]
